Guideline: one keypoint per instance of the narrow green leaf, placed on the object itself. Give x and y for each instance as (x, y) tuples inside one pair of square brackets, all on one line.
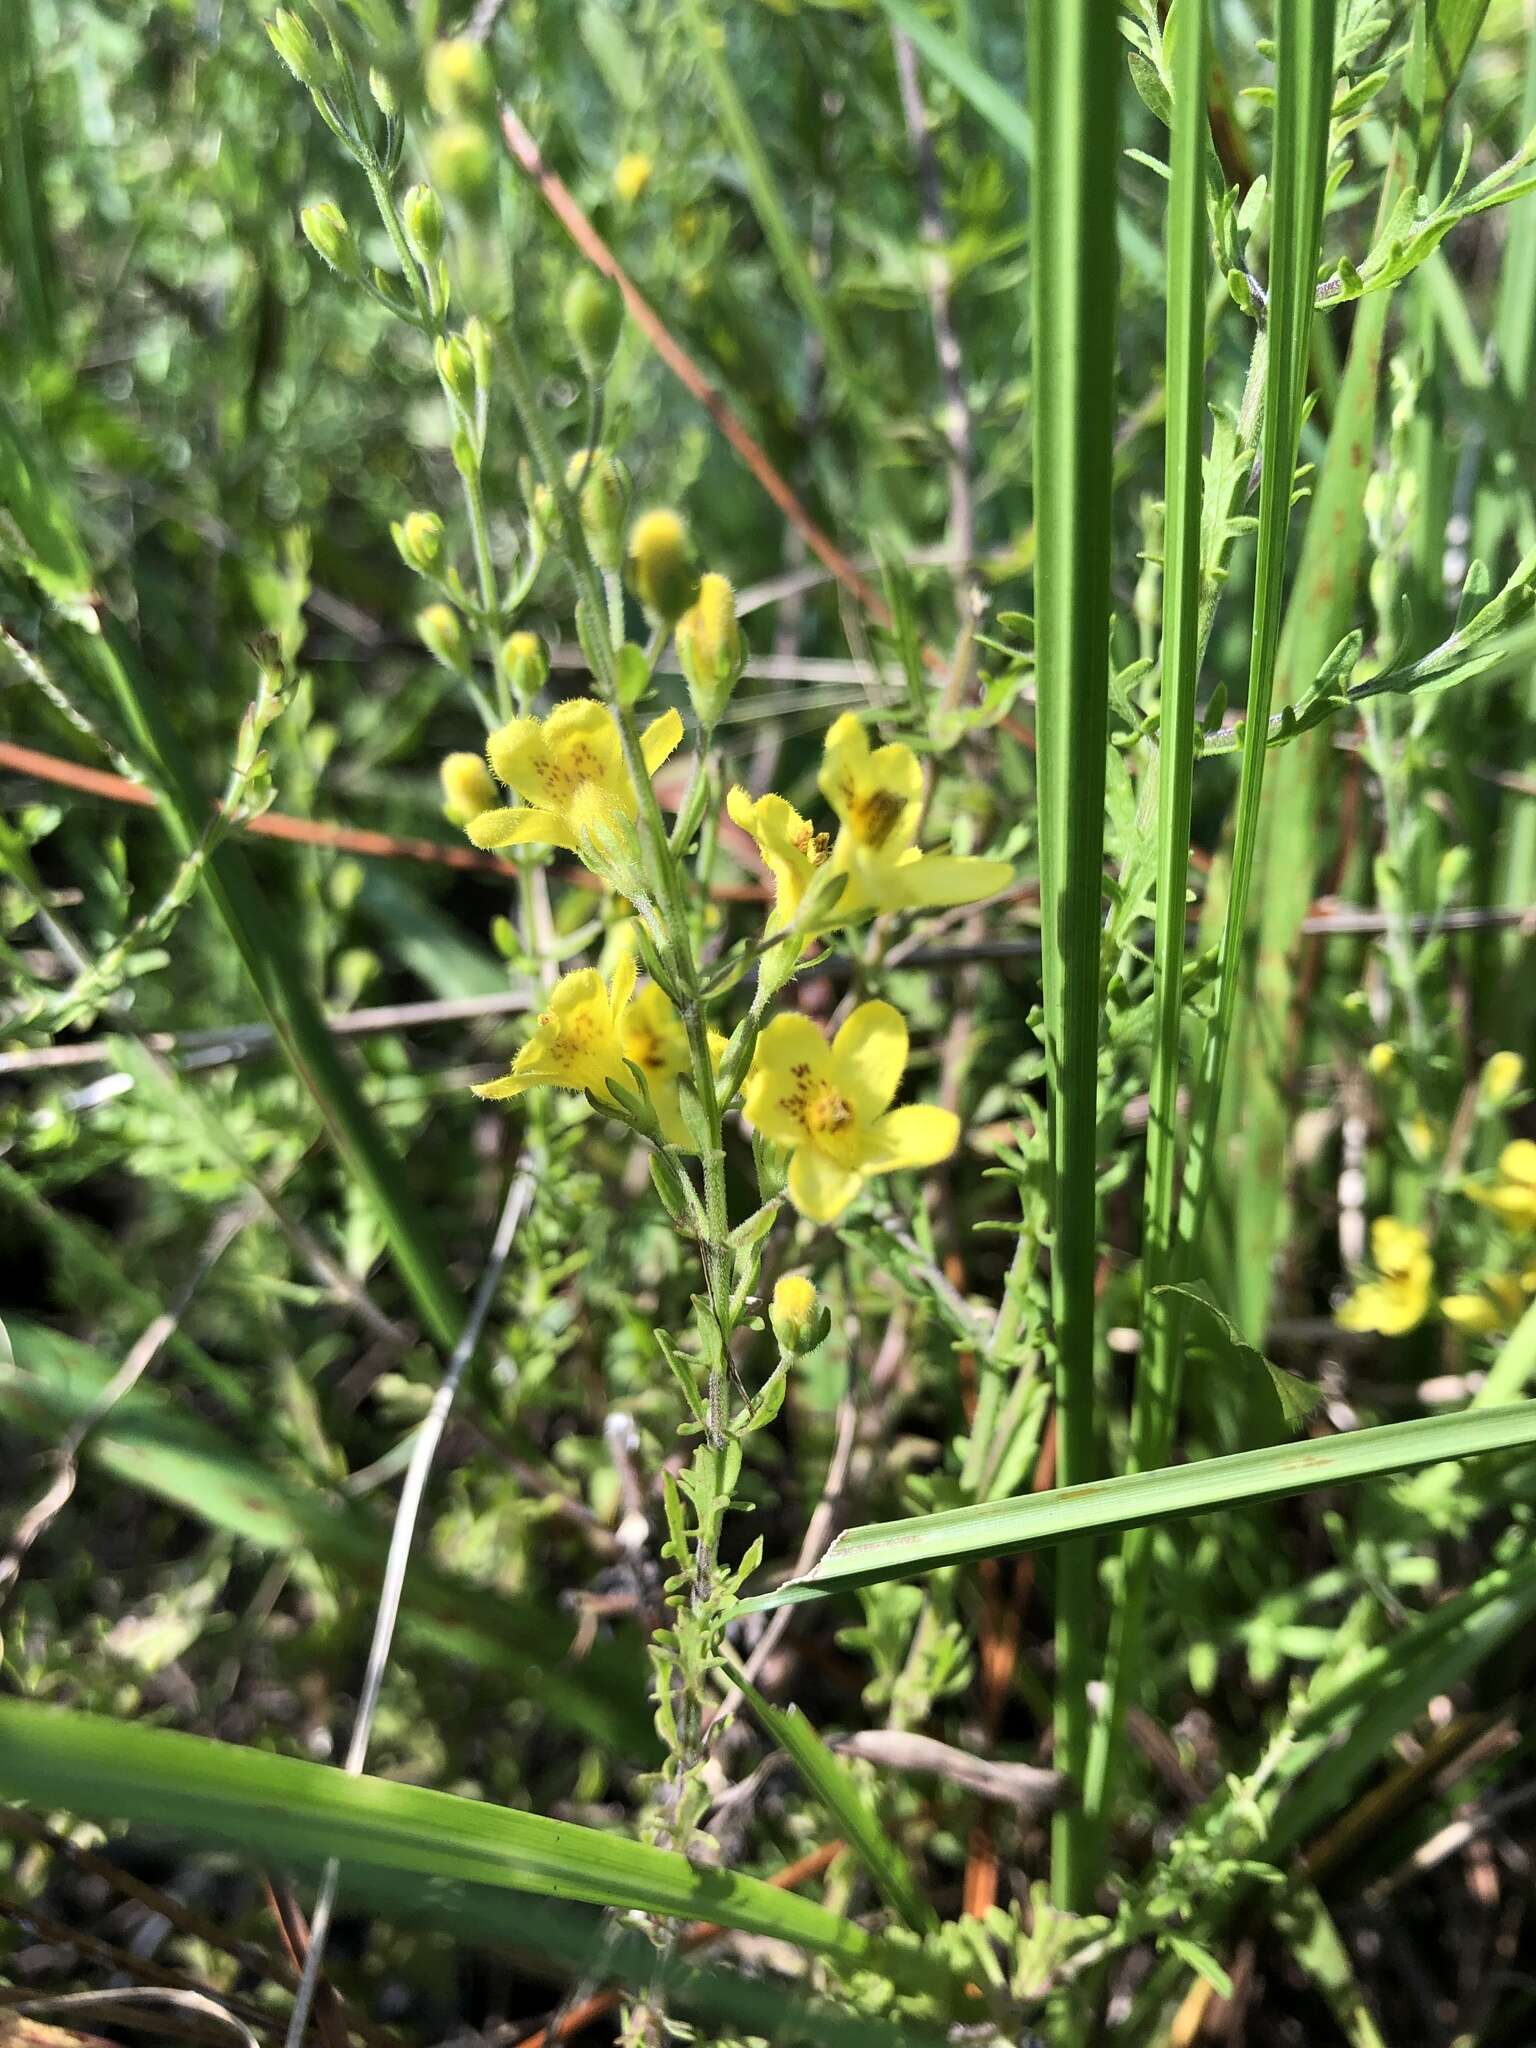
[(902, 1550)]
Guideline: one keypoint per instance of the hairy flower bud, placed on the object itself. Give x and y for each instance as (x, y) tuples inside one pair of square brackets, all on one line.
[(298, 49), (463, 162), (459, 81), (443, 636), (385, 98), (456, 368), (661, 565), (1501, 1077), (709, 646), (526, 662), (594, 319), (1381, 1059), (467, 788), (799, 1319), (419, 540), (631, 175), (326, 230), (602, 484), (422, 213)]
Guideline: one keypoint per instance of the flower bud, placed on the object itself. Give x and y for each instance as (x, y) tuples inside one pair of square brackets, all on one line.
[(467, 788), (419, 539), (631, 175), (298, 49), (594, 319), (443, 636), (1381, 1059), (526, 663), (385, 98), (1501, 1077), (1474, 1313), (799, 1319), (661, 565), (456, 368), (327, 233), (463, 162), (459, 81), (709, 646), (604, 500), (477, 338), (424, 228)]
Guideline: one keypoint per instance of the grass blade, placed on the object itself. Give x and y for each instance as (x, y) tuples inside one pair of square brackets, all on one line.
[(880, 1551), (1074, 66), (284, 1809), (1157, 1384)]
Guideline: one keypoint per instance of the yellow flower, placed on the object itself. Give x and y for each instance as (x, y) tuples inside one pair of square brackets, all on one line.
[(792, 850), (1502, 1076), (631, 175), (577, 1041), (569, 770), (1398, 1299), (651, 1034), (1474, 1313), (830, 1105), (1513, 1195)]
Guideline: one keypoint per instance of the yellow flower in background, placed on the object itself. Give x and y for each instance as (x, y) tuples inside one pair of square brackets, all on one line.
[(1513, 1195), (631, 175), (1398, 1299), (1478, 1314), (791, 847), (467, 787), (577, 1041), (652, 1035), (877, 794), (1502, 1076), (569, 770), (830, 1105)]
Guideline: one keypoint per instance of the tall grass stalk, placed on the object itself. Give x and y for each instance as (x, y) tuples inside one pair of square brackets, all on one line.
[(1074, 84)]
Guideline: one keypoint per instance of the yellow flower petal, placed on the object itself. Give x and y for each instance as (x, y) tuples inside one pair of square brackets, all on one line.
[(937, 881), (1517, 1162), (919, 1134), (519, 825), (819, 1187), (502, 1088), (1473, 1312), (869, 1057), (791, 1063), (791, 848), (660, 739), (876, 794)]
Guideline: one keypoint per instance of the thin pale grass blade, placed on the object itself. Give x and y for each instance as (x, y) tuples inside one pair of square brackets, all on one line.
[(1075, 69), (881, 1551), (1157, 1383)]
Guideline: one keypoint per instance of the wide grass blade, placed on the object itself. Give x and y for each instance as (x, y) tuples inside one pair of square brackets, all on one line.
[(1074, 71), (101, 651), (905, 1549), (283, 1810), (1157, 1383)]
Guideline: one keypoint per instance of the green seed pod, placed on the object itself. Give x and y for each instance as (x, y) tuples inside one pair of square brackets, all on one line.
[(603, 484), (463, 163), (459, 81), (298, 49), (326, 230), (526, 662), (661, 565), (419, 539), (456, 368), (422, 213), (709, 646), (594, 319), (467, 788), (443, 637)]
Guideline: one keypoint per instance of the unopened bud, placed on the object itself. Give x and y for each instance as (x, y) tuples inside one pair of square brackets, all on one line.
[(459, 81), (709, 646), (594, 319), (385, 98), (477, 338), (419, 539), (526, 663), (443, 636), (661, 565), (602, 482), (298, 49), (422, 213), (1381, 1059), (1501, 1077), (456, 368), (463, 162), (800, 1320), (326, 230), (1474, 1313), (467, 788), (631, 175)]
